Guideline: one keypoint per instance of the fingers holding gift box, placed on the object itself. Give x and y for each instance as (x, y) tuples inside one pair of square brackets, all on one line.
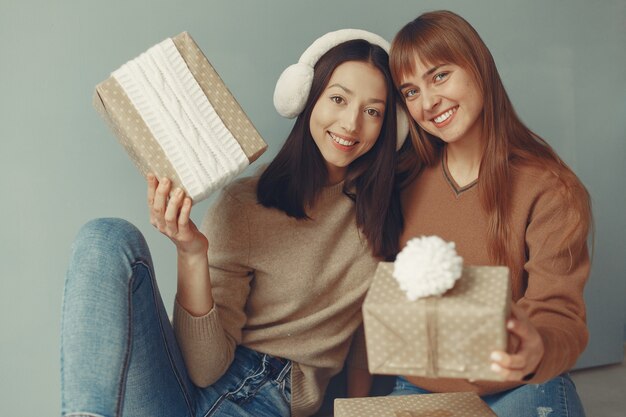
[(169, 213), (175, 117), (422, 328), (521, 364)]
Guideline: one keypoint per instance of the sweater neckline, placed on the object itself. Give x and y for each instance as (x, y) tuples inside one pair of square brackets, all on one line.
[(458, 190), (332, 190)]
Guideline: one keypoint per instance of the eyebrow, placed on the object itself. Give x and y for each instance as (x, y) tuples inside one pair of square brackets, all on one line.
[(424, 76), (348, 91)]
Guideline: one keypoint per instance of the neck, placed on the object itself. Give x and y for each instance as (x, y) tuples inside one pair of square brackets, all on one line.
[(463, 160), (335, 174)]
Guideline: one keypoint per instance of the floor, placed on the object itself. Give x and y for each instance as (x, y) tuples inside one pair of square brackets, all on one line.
[(602, 390)]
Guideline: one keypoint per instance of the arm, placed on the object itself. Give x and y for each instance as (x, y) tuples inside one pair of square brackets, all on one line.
[(359, 379), (359, 382), (549, 319), (207, 342), (172, 219)]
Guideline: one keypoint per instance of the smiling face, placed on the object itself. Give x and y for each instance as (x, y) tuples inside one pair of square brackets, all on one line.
[(347, 118), (445, 101)]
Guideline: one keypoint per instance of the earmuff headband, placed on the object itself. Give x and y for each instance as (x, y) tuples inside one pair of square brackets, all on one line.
[(294, 85)]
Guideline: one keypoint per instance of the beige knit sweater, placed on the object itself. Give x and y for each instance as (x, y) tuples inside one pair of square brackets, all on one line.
[(290, 288), (549, 282)]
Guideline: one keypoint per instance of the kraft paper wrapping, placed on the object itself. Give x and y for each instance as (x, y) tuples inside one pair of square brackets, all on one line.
[(133, 134), (463, 404), (448, 336)]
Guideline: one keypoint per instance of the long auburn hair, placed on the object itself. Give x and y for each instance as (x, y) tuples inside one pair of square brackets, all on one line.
[(293, 180), (444, 37)]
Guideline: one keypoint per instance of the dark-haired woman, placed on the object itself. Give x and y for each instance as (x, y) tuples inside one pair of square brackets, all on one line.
[(479, 177), (270, 287)]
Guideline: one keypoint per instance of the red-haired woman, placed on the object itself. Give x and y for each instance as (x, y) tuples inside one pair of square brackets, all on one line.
[(476, 175)]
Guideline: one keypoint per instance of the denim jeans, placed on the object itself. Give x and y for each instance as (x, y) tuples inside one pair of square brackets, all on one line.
[(119, 356), (554, 398)]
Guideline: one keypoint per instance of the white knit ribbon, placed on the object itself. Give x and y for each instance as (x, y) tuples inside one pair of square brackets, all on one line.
[(165, 93)]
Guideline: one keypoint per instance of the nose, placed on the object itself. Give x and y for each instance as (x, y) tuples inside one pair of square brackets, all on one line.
[(350, 119), (430, 100)]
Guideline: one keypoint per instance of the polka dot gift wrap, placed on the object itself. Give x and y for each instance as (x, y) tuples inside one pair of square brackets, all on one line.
[(175, 117), (462, 404), (451, 335)]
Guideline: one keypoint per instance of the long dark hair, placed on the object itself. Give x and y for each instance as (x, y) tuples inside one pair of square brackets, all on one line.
[(442, 36), (298, 173)]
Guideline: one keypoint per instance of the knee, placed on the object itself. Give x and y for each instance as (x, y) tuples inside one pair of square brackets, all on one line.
[(102, 265), (108, 241), (107, 231)]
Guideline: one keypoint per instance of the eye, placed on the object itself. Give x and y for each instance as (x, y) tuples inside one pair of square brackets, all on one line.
[(441, 76), (373, 112), (410, 93), (337, 99)]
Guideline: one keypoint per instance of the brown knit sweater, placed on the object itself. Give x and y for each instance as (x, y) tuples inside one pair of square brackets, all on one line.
[(290, 288), (549, 282)]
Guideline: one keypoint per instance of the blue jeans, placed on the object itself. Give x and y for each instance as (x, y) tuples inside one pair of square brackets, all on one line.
[(554, 398), (119, 355)]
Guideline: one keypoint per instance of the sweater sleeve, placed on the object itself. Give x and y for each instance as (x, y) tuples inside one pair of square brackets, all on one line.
[(208, 343), (557, 268)]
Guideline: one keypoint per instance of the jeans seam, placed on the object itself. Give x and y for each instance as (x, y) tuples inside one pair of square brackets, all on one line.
[(564, 395), (164, 340), (127, 350)]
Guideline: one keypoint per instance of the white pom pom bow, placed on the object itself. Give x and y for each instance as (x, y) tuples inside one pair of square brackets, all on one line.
[(427, 266)]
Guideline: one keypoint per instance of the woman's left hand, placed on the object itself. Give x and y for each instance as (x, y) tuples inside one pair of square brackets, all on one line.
[(521, 364)]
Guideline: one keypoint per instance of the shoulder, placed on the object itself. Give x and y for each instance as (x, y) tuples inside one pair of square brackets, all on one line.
[(532, 181), (554, 202), (427, 176), (242, 190), (238, 202), (531, 174), (231, 208), (537, 196)]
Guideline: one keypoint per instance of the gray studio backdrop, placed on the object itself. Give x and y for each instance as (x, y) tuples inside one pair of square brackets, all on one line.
[(563, 62)]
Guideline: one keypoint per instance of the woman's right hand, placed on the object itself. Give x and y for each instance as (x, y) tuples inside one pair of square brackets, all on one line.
[(170, 215)]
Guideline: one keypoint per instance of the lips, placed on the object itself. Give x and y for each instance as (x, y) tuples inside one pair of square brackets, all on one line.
[(341, 142), (442, 119)]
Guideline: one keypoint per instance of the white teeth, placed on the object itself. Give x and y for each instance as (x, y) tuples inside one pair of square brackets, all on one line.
[(341, 141), (443, 117)]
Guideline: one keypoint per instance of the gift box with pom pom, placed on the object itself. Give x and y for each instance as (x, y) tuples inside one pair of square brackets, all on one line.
[(176, 118), (449, 335), (458, 404)]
